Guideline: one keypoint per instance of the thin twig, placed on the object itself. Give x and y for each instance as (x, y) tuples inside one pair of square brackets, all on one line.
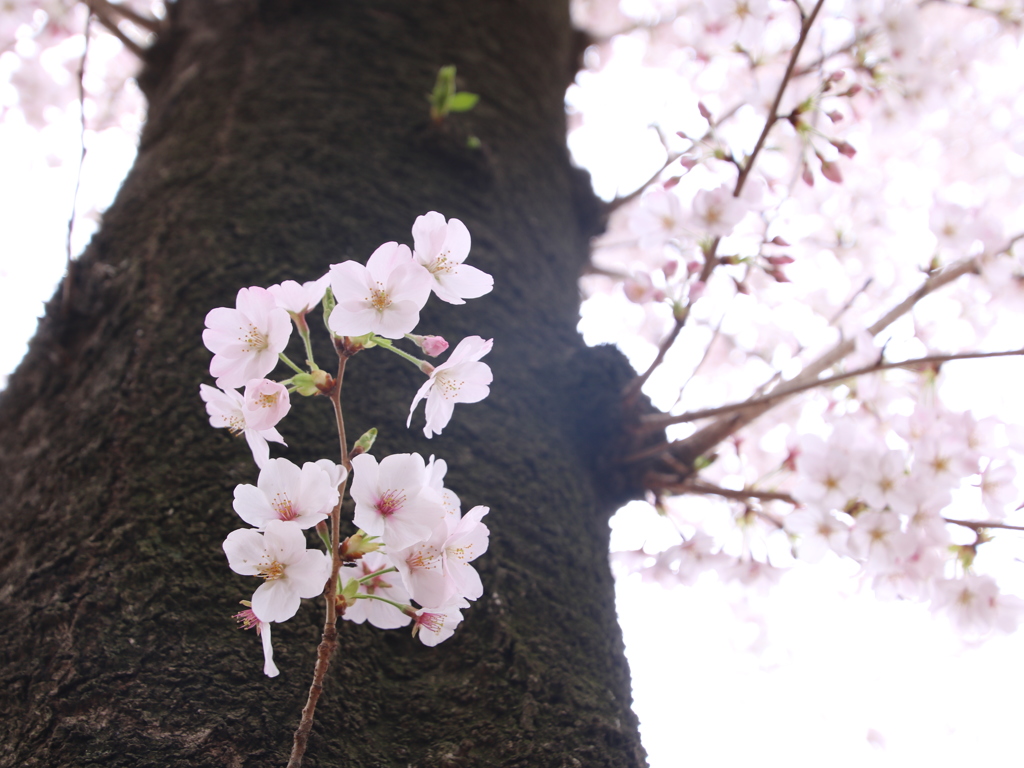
[(709, 436), (710, 260), (773, 113), (143, 22), (976, 525), (69, 278), (329, 640), (102, 10), (710, 489), (655, 422)]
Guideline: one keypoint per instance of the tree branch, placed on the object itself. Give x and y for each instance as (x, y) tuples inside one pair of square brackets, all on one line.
[(658, 421)]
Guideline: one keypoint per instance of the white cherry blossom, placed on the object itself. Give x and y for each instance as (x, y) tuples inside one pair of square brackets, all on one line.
[(442, 247), (393, 499), (279, 556), (285, 492), (228, 408), (384, 297), (462, 378), (246, 341)]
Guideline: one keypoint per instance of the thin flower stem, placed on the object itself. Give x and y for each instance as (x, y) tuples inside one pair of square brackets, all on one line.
[(329, 640), (399, 606), (375, 574), (287, 361), (386, 344), (304, 333)]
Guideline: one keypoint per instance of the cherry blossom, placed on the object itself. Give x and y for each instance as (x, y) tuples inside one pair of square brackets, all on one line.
[(246, 341), (228, 408), (264, 403), (975, 606), (438, 569), (393, 500), (297, 299), (435, 625), (462, 378), (716, 212), (285, 492), (279, 556), (384, 297), (389, 585), (442, 247)]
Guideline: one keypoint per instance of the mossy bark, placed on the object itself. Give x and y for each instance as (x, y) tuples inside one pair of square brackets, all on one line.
[(283, 137)]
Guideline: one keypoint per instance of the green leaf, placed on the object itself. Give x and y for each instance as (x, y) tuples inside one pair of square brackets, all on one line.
[(462, 102)]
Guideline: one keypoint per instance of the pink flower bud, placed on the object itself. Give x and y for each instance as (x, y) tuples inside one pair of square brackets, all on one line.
[(704, 111), (688, 162), (778, 261), (835, 115), (693, 267), (831, 171), (671, 182), (670, 267), (433, 345), (853, 90), (779, 241), (844, 149), (807, 176)]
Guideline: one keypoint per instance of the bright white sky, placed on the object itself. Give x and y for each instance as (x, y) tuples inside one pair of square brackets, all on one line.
[(840, 678)]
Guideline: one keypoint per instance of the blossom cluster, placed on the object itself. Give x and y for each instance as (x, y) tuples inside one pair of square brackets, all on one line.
[(763, 252), (413, 543)]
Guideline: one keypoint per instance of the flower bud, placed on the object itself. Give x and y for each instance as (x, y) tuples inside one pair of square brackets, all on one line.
[(315, 383), (357, 545), (364, 443), (432, 346)]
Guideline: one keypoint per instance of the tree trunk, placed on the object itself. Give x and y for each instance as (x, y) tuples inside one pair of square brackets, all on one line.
[(283, 137)]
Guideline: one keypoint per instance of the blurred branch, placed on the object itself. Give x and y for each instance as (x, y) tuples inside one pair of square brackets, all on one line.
[(110, 14), (657, 421)]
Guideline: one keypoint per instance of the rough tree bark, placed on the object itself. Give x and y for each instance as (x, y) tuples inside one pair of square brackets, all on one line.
[(285, 136)]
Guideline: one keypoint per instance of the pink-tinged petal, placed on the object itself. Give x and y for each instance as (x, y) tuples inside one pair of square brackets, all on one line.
[(428, 233), (364, 483), (421, 393), (465, 581), (410, 282), (284, 542), (258, 445), (387, 258), (269, 668), (400, 318), (457, 241), (251, 505), (309, 575), (463, 282), (350, 281), (401, 470), (224, 321), (275, 601), (401, 531), (245, 551), (351, 319), (439, 413)]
